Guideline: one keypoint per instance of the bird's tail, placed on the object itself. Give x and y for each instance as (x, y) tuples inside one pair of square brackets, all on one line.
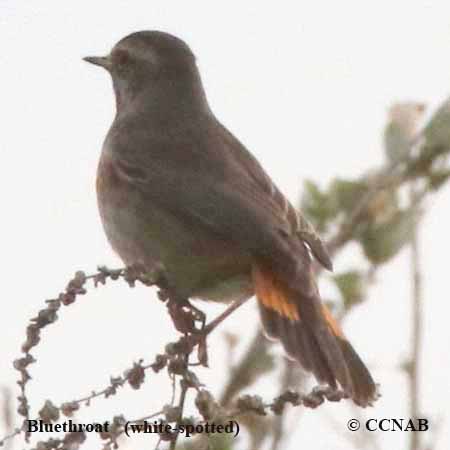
[(310, 335)]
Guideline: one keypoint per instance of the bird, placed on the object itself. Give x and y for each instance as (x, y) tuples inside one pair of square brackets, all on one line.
[(178, 191)]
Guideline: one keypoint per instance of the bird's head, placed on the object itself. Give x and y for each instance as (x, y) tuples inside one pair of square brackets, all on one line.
[(151, 62)]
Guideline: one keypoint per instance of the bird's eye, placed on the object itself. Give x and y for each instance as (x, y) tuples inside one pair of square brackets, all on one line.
[(120, 57)]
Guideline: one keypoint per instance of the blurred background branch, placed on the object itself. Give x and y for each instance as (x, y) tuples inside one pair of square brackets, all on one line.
[(417, 311)]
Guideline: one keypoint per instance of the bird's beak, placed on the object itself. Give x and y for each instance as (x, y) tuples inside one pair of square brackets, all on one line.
[(102, 61)]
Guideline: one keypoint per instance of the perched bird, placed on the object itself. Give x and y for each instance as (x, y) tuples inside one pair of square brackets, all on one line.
[(177, 190)]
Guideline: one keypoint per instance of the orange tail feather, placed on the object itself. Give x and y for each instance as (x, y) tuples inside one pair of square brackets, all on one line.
[(310, 335)]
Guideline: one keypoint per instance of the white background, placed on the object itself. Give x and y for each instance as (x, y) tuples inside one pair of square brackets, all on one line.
[(305, 85)]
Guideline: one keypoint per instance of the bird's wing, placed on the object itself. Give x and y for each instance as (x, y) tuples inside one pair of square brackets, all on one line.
[(216, 181), (297, 223)]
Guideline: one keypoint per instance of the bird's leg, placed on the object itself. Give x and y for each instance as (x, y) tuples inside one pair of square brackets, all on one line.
[(183, 313), (198, 314), (221, 317), (201, 335)]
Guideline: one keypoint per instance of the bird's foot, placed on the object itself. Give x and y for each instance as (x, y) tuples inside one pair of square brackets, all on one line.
[(184, 315)]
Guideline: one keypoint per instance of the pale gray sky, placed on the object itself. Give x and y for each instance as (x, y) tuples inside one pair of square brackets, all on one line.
[(305, 85)]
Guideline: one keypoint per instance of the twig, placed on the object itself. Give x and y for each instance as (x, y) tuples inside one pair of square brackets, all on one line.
[(10, 436), (183, 390), (417, 297), (174, 389)]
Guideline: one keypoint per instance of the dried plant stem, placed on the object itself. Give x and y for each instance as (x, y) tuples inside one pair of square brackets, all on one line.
[(181, 402)]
